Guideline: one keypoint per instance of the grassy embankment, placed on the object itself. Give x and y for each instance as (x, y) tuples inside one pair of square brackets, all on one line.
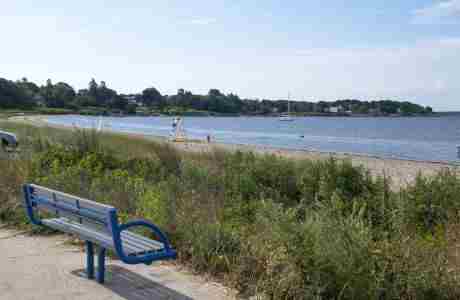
[(264, 224)]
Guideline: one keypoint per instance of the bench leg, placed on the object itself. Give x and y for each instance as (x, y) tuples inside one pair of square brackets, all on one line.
[(89, 259), (101, 265)]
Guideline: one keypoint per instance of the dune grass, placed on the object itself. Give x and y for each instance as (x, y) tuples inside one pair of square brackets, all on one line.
[(266, 225)]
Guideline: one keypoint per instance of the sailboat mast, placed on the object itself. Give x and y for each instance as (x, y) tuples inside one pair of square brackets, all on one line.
[(289, 103), (287, 116)]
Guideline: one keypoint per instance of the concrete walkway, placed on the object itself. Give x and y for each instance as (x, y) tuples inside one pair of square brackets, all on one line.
[(38, 267)]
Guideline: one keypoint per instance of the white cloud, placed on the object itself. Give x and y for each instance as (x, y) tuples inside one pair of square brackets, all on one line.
[(447, 11), (203, 21)]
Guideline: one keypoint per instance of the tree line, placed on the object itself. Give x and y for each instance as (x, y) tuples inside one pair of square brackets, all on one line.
[(24, 94)]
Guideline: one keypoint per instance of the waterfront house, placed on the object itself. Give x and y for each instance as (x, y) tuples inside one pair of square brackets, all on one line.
[(335, 109)]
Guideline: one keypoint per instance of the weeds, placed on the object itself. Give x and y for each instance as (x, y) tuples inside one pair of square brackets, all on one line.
[(269, 226)]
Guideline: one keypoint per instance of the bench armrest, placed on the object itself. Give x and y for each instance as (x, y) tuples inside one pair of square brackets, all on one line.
[(149, 225), (148, 258)]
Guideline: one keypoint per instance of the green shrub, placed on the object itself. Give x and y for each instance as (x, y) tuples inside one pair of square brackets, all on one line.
[(325, 256), (55, 111), (12, 176), (433, 201), (270, 226)]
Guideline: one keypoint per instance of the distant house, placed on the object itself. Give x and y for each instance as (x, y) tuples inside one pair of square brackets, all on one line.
[(133, 99), (39, 100), (374, 111), (335, 109)]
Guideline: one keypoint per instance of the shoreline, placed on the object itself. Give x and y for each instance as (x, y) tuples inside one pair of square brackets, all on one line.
[(37, 120), (401, 171)]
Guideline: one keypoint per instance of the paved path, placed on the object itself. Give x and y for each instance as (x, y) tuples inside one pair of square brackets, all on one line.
[(48, 268)]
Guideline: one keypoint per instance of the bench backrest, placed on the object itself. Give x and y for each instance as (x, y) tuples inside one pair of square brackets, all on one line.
[(58, 204)]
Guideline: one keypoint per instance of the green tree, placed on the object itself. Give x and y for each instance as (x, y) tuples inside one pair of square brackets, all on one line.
[(152, 97), (117, 102), (92, 88), (46, 92), (12, 96), (63, 94), (29, 88), (214, 93), (131, 108), (58, 96), (106, 96)]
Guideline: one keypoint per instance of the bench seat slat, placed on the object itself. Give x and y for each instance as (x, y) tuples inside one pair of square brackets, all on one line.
[(139, 248), (132, 243), (85, 233), (141, 239)]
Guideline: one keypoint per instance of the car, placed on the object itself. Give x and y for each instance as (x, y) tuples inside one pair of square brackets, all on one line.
[(8, 140)]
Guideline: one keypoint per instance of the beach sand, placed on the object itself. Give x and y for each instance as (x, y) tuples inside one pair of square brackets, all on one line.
[(401, 172)]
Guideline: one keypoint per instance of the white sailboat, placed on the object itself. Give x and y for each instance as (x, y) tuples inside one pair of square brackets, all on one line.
[(287, 116)]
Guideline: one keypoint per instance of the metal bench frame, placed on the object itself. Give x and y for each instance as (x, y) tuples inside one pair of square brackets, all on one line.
[(109, 221)]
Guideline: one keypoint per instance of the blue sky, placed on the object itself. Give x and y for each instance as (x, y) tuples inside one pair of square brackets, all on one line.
[(316, 50)]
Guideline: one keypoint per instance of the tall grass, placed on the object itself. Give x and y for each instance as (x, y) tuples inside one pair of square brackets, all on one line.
[(269, 226)]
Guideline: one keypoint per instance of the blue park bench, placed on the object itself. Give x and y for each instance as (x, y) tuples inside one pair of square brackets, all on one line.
[(95, 223)]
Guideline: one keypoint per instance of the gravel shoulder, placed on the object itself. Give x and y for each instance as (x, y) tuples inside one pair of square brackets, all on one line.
[(47, 267)]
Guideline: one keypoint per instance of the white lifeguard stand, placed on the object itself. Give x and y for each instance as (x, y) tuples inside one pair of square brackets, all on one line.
[(100, 125), (178, 133)]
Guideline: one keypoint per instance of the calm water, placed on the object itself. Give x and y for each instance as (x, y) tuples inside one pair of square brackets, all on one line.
[(407, 138)]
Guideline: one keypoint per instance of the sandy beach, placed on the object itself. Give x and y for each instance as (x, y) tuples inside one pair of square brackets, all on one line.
[(401, 171)]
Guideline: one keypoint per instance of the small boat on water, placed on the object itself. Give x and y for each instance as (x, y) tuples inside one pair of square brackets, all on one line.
[(287, 116)]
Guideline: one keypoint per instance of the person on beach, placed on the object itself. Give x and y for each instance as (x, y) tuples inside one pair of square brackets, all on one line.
[(208, 138)]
